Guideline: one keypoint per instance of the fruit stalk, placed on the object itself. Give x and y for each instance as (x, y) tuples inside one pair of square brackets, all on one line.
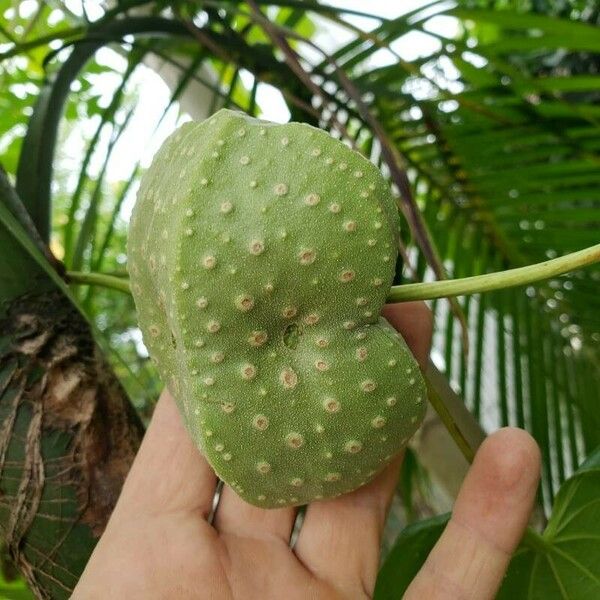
[(120, 284), (495, 281), (425, 291)]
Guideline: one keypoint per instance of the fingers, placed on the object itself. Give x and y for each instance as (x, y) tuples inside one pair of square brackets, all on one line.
[(169, 472), (415, 322), (237, 517), (340, 538), (490, 515)]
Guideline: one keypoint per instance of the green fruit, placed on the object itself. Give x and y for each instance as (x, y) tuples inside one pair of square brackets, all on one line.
[(260, 258)]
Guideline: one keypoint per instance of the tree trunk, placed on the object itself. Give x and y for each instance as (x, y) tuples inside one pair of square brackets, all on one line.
[(68, 433)]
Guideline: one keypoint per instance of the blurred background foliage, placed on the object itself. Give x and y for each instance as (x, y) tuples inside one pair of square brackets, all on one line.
[(491, 107)]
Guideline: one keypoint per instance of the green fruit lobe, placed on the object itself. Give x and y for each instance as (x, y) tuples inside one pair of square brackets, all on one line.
[(260, 256)]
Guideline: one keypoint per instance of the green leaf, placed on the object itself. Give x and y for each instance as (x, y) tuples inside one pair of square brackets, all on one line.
[(407, 556), (572, 83), (15, 592), (523, 22), (563, 562), (107, 119)]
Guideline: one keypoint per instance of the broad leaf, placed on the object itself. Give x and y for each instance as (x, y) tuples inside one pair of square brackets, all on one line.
[(561, 563), (564, 561), (407, 557)]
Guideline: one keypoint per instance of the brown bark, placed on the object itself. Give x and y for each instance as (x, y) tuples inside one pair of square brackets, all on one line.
[(68, 436)]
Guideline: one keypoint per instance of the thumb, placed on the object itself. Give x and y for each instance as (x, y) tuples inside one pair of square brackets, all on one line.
[(169, 472)]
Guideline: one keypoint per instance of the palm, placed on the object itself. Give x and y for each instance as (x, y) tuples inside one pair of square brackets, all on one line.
[(160, 544), (161, 532), (183, 557)]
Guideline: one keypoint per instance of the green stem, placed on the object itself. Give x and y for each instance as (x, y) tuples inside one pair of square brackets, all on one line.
[(453, 429), (535, 541), (426, 291), (108, 281), (495, 281), (453, 413), (22, 47)]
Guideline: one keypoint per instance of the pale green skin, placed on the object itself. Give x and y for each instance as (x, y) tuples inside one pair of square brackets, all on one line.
[(227, 234)]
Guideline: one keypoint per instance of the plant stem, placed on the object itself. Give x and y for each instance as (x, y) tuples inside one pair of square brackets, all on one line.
[(461, 424), (425, 291), (108, 281), (449, 423), (535, 541), (495, 281)]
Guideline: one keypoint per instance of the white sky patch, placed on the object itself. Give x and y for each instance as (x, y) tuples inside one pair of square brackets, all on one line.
[(141, 140), (94, 10), (475, 59), (27, 8), (272, 104), (444, 26)]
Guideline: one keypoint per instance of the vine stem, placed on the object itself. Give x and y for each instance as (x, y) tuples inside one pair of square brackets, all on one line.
[(450, 424), (428, 291), (461, 425), (100, 279), (424, 291), (535, 541), (495, 281)]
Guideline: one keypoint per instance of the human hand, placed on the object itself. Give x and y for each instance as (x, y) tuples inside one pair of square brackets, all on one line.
[(158, 542)]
